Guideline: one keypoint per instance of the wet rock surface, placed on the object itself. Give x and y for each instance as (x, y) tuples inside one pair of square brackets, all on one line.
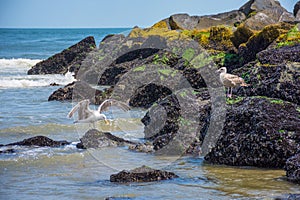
[(146, 95), (67, 60), (258, 132), (97, 139), (142, 174), (40, 141), (292, 169)]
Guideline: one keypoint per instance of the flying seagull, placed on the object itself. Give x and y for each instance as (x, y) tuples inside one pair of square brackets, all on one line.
[(86, 115), (230, 81)]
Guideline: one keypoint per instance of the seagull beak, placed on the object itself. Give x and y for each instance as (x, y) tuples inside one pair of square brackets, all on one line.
[(217, 71), (107, 122)]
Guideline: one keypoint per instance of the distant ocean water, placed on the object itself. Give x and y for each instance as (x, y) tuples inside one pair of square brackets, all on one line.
[(69, 173)]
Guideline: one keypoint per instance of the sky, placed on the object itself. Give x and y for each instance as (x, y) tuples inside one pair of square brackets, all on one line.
[(107, 13)]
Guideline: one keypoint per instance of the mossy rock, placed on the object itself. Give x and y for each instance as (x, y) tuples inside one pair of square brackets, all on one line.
[(241, 35), (161, 24), (289, 38), (201, 36), (219, 33), (153, 31), (259, 42)]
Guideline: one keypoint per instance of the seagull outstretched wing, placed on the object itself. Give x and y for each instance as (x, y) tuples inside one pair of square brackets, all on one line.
[(105, 105), (83, 110)]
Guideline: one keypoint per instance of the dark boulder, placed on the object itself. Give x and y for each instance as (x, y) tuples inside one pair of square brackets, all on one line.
[(146, 95), (296, 10), (180, 115), (124, 63), (280, 56), (142, 174), (259, 132), (97, 139), (68, 60), (40, 141), (277, 81), (78, 91), (292, 168)]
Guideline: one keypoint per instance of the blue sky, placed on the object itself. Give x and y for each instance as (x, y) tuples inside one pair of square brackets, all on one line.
[(107, 13)]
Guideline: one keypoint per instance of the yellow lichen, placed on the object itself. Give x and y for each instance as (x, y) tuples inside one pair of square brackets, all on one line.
[(160, 24), (163, 32)]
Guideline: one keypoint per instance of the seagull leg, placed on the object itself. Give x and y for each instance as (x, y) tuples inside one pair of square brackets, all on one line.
[(230, 92)]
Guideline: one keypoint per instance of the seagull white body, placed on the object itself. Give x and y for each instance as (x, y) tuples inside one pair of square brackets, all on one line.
[(87, 115), (230, 81)]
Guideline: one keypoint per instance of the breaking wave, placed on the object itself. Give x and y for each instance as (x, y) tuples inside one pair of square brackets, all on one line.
[(13, 74)]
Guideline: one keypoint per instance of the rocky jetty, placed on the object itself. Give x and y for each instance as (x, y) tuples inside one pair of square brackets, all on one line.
[(40, 141), (167, 69), (67, 60), (97, 139), (141, 174)]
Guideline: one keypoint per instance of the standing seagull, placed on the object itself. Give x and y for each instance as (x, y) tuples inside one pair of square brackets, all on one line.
[(230, 80), (86, 115)]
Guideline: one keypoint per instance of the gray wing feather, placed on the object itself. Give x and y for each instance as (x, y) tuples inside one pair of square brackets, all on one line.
[(112, 102), (82, 108)]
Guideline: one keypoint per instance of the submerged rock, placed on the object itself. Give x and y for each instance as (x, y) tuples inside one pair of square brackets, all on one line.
[(40, 141), (97, 139), (7, 151), (259, 132), (292, 168), (142, 174), (67, 60)]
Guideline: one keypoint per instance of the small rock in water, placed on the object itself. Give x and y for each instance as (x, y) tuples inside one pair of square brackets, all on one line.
[(7, 151), (97, 139), (54, 84), (41, 141), (142, 174), (142, 147)]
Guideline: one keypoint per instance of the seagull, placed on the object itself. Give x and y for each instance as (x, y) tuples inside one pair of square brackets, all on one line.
[(230, 80), (86, 115)]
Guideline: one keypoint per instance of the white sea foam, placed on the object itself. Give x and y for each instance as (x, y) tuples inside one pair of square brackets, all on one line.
[(13, 74), (35, 80)]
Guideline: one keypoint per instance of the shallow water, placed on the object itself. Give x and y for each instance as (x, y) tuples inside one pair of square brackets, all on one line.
[(70, 173)]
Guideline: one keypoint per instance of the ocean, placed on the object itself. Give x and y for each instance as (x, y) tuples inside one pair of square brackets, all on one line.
[(70, 173)]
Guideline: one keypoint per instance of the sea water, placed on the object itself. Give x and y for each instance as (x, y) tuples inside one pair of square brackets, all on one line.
[(69, 173)]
